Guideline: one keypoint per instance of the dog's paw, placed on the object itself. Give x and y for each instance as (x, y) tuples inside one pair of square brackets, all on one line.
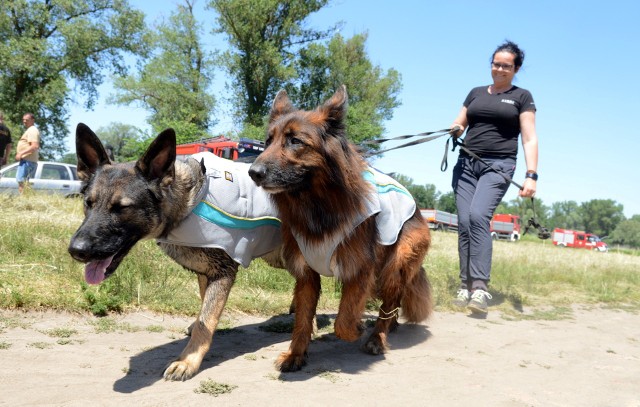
[(179, 371), (376, 344), (288, 362), (346, 331)]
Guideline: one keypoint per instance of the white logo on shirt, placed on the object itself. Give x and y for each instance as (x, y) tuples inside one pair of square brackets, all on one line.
[(511, 102)]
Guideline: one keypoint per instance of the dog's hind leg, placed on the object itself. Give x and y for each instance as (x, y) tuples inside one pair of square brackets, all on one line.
[(417, 302), (214, 299), (403, 283), (305, 299), (390, 291)]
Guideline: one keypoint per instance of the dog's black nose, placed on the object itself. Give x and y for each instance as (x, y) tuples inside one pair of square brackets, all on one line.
[(80, 249), (257, 172)]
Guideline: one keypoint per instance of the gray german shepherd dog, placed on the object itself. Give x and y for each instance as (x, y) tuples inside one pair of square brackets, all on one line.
[(151, 198)]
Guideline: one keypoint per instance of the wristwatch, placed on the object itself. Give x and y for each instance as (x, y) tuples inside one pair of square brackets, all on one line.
[(531, 174)]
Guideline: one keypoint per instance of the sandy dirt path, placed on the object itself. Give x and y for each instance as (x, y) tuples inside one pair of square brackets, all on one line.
[(591, 359)]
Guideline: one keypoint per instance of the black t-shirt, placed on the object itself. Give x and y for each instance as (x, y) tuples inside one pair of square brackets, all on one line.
[(494, 120), (5, 138)]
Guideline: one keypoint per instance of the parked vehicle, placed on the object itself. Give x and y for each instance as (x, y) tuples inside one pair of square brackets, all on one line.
[(245, 150), (440, 220), (574, 238), (505, 227), (50, 177)]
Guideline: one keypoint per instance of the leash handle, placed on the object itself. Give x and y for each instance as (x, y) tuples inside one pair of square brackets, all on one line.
[(454, 143)]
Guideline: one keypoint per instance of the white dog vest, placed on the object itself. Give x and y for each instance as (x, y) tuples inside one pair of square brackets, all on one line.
[(393, 205), (233, 214)]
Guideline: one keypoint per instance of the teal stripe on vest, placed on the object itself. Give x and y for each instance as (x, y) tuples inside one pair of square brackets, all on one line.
[(216, 215), (384, 188)]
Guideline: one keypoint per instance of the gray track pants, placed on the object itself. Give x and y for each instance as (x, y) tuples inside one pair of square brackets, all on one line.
[(478, 191)]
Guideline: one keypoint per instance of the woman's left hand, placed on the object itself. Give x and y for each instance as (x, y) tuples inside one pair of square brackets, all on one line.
[(528, 189)]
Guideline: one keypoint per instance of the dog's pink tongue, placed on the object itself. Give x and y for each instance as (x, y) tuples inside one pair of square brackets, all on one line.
[(94, 271)]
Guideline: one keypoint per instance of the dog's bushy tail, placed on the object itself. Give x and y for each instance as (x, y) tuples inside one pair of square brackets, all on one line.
[(417, 301)]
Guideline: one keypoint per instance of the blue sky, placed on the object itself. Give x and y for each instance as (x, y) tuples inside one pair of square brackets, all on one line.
[(581, 66)]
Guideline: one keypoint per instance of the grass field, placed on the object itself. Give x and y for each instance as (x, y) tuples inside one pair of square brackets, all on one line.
[(530, 278)]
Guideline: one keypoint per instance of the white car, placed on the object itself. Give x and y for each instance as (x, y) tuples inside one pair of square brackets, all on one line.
[(50, 177)]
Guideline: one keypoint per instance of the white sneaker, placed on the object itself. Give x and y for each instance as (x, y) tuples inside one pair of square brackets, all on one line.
[(462, 298), (479, 301)]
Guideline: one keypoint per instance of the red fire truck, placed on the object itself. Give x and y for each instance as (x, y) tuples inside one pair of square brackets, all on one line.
[(574, 238), (243, 150), (505, 226)]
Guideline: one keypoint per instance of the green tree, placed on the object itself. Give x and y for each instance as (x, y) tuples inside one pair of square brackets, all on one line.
[(526, 210), (627, 232), (601, 216), (264, 38), (49, 48), (426, 195), (566, 215), (373, 93), (69, 158), (173, 84), (404, 180), (119, 138), (447, 202)]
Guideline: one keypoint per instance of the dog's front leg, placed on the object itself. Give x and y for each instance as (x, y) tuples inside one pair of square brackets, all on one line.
[(348, 325), (203, 283), (213, 302), (305, 299)]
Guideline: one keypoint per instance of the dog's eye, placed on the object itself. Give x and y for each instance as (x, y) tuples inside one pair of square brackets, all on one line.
[(120, 206), (295, 140), (267, 143)]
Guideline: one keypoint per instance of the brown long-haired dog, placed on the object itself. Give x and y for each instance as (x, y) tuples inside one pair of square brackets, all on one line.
[(333, 224)]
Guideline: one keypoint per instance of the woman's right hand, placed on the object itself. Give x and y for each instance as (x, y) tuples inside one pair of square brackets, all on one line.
[(456, 130)]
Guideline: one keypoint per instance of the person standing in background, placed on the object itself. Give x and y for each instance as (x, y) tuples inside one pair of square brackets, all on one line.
[(27, 151), (5, 141), (496, 115)]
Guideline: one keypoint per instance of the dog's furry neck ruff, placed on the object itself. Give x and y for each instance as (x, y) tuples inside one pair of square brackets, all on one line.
[(334, 196)]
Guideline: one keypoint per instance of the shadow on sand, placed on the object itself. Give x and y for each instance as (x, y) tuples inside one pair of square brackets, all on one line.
[(326, 352)]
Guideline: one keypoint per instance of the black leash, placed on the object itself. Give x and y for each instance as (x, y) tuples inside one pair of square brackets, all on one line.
[(543, 233), (431, 135)]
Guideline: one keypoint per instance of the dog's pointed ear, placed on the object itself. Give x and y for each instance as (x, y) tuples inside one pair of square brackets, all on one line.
[(158, 161), (281, 106), (335, 109), (89, 151)]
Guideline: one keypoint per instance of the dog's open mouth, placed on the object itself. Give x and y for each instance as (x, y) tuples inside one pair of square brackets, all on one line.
[(96, 271), (98, 264)]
